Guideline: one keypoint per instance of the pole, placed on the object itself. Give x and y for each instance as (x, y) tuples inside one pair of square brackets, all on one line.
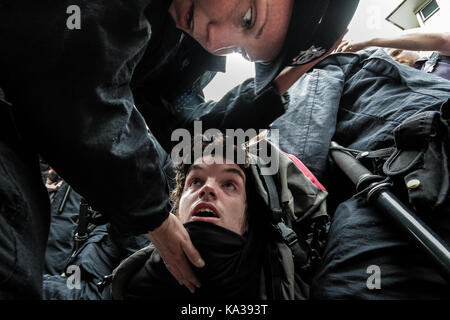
[(380, 195)]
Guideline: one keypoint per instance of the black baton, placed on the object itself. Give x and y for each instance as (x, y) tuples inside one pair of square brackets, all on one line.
[(379, 194)]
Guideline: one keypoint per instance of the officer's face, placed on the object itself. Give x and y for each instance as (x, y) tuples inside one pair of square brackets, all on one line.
[(255, 28), (215, 193)]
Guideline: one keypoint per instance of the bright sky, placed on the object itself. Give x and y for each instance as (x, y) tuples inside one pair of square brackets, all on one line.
[(369, 21)]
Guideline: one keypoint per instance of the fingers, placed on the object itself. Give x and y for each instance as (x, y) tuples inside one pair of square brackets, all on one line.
[(189, 286), (175, 247), (184, 275), (175, 273), (343, 46), (332, 49), (194, 257), (340, 43), (192, 254), (189, 279), (182, 272)]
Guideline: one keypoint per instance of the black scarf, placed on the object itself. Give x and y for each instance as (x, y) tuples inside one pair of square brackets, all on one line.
[(232, 270)]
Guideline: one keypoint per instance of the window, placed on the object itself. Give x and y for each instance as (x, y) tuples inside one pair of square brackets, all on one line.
[(428, 10)]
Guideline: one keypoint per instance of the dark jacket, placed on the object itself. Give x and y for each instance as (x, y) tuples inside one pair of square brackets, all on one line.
[(358, 100), (83, 98), (233, 267)]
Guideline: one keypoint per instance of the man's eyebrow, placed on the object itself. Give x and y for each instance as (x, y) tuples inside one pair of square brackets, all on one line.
[(261, 30), (228, 170), (194, 167), (235, 171)]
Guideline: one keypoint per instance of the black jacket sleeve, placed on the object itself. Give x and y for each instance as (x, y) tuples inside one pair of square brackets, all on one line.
[(240, 108), (73, 102)]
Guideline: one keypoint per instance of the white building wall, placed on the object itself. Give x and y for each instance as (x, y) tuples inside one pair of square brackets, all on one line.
[(369, 20), (440, 21)]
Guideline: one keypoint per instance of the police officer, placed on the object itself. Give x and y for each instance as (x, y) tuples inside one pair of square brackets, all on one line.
[(84, 95)]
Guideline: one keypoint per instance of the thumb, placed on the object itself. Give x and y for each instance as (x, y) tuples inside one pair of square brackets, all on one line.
[(192, 253)]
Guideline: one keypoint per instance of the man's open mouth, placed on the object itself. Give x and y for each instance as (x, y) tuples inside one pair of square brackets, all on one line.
[(205, 212)]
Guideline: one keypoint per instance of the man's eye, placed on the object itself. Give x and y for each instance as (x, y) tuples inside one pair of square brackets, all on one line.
[(230, 185), (195, 181), (247, 20)]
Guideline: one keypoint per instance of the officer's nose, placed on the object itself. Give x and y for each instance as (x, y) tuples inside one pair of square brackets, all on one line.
[(222, 38), (216, 33)]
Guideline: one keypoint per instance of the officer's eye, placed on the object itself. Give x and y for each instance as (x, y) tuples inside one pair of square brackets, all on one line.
[(247, 19)]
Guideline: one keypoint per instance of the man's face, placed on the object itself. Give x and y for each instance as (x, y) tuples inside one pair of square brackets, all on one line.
[(215, 193), (405, 57), (254, 28)]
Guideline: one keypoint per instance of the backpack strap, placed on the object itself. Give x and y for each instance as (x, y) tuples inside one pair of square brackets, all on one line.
[(278, 215), (278, 220)]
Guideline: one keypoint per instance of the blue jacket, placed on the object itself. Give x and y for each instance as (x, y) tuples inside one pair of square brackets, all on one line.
[(357, 100)]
